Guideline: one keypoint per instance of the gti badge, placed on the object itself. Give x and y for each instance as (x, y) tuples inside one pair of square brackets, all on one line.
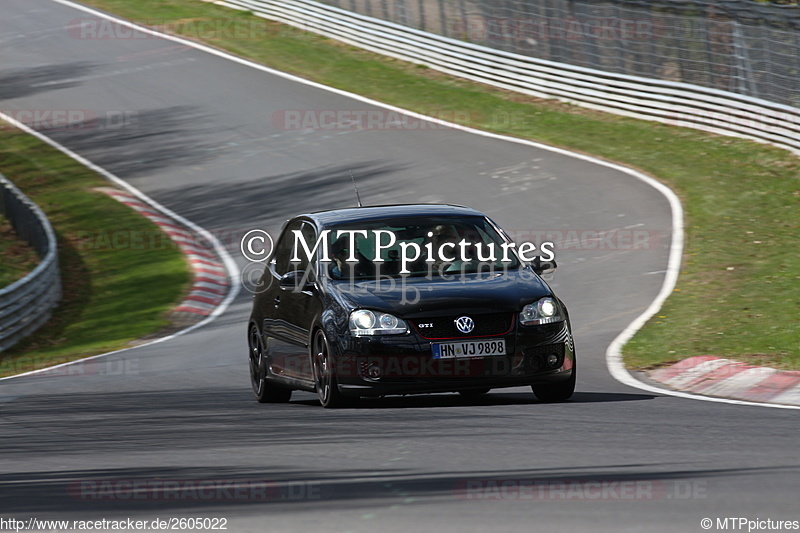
[(465, 324)]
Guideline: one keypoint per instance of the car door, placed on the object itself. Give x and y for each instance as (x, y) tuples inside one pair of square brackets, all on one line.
[(291, 311)]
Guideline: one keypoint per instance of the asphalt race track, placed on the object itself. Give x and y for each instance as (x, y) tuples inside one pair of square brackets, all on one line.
[(202, 139)]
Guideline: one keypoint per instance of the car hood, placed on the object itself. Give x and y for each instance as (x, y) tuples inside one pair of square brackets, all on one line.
[(416, 297)]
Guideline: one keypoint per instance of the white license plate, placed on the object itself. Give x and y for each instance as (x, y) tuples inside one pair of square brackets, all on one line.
[(480, 348)]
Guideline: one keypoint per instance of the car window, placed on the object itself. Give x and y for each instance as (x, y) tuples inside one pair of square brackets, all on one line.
[(284, 248)]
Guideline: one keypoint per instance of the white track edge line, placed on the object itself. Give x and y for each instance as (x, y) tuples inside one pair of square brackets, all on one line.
[(230, 265), (614, 351)]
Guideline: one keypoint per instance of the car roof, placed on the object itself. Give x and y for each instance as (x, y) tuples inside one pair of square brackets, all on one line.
[(365, 214)]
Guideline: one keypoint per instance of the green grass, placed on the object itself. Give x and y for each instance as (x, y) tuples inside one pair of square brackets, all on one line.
[(17, 258), (739, 291), (112, 295)]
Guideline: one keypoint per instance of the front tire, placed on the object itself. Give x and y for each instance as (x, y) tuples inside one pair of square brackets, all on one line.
[(324, 367), (264, 391), (556, 392)]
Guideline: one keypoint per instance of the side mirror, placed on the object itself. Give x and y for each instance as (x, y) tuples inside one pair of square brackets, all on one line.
[(296, 281), (543, 267)]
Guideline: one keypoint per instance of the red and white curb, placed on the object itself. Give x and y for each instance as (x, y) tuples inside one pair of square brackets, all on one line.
[(713, 376), (210, 283)]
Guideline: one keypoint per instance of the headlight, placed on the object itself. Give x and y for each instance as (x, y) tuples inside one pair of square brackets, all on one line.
[(366, 322), (543, 311)]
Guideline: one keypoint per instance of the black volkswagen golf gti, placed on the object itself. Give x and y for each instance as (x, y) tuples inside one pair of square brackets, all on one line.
[(405, 299)]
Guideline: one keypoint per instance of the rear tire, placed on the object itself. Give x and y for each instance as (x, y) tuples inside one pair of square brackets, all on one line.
[(264, 391), (556, 392)]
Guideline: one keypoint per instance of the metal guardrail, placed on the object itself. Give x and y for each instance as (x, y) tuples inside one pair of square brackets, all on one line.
[(670, 102), (27, 304)]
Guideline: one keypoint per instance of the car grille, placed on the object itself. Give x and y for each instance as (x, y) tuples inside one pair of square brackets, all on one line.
[(486, 325)]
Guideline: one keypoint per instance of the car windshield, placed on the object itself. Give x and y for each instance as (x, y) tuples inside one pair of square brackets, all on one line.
[(431, 246)]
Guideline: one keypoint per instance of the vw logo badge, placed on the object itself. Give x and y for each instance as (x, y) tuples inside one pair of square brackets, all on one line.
[(465, 324)]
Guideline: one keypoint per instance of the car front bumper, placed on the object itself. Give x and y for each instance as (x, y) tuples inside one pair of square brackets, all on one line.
[(404, 364)]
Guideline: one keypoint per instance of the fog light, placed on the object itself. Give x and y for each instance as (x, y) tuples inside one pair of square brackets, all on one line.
[(552, 360), (374, 371)]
